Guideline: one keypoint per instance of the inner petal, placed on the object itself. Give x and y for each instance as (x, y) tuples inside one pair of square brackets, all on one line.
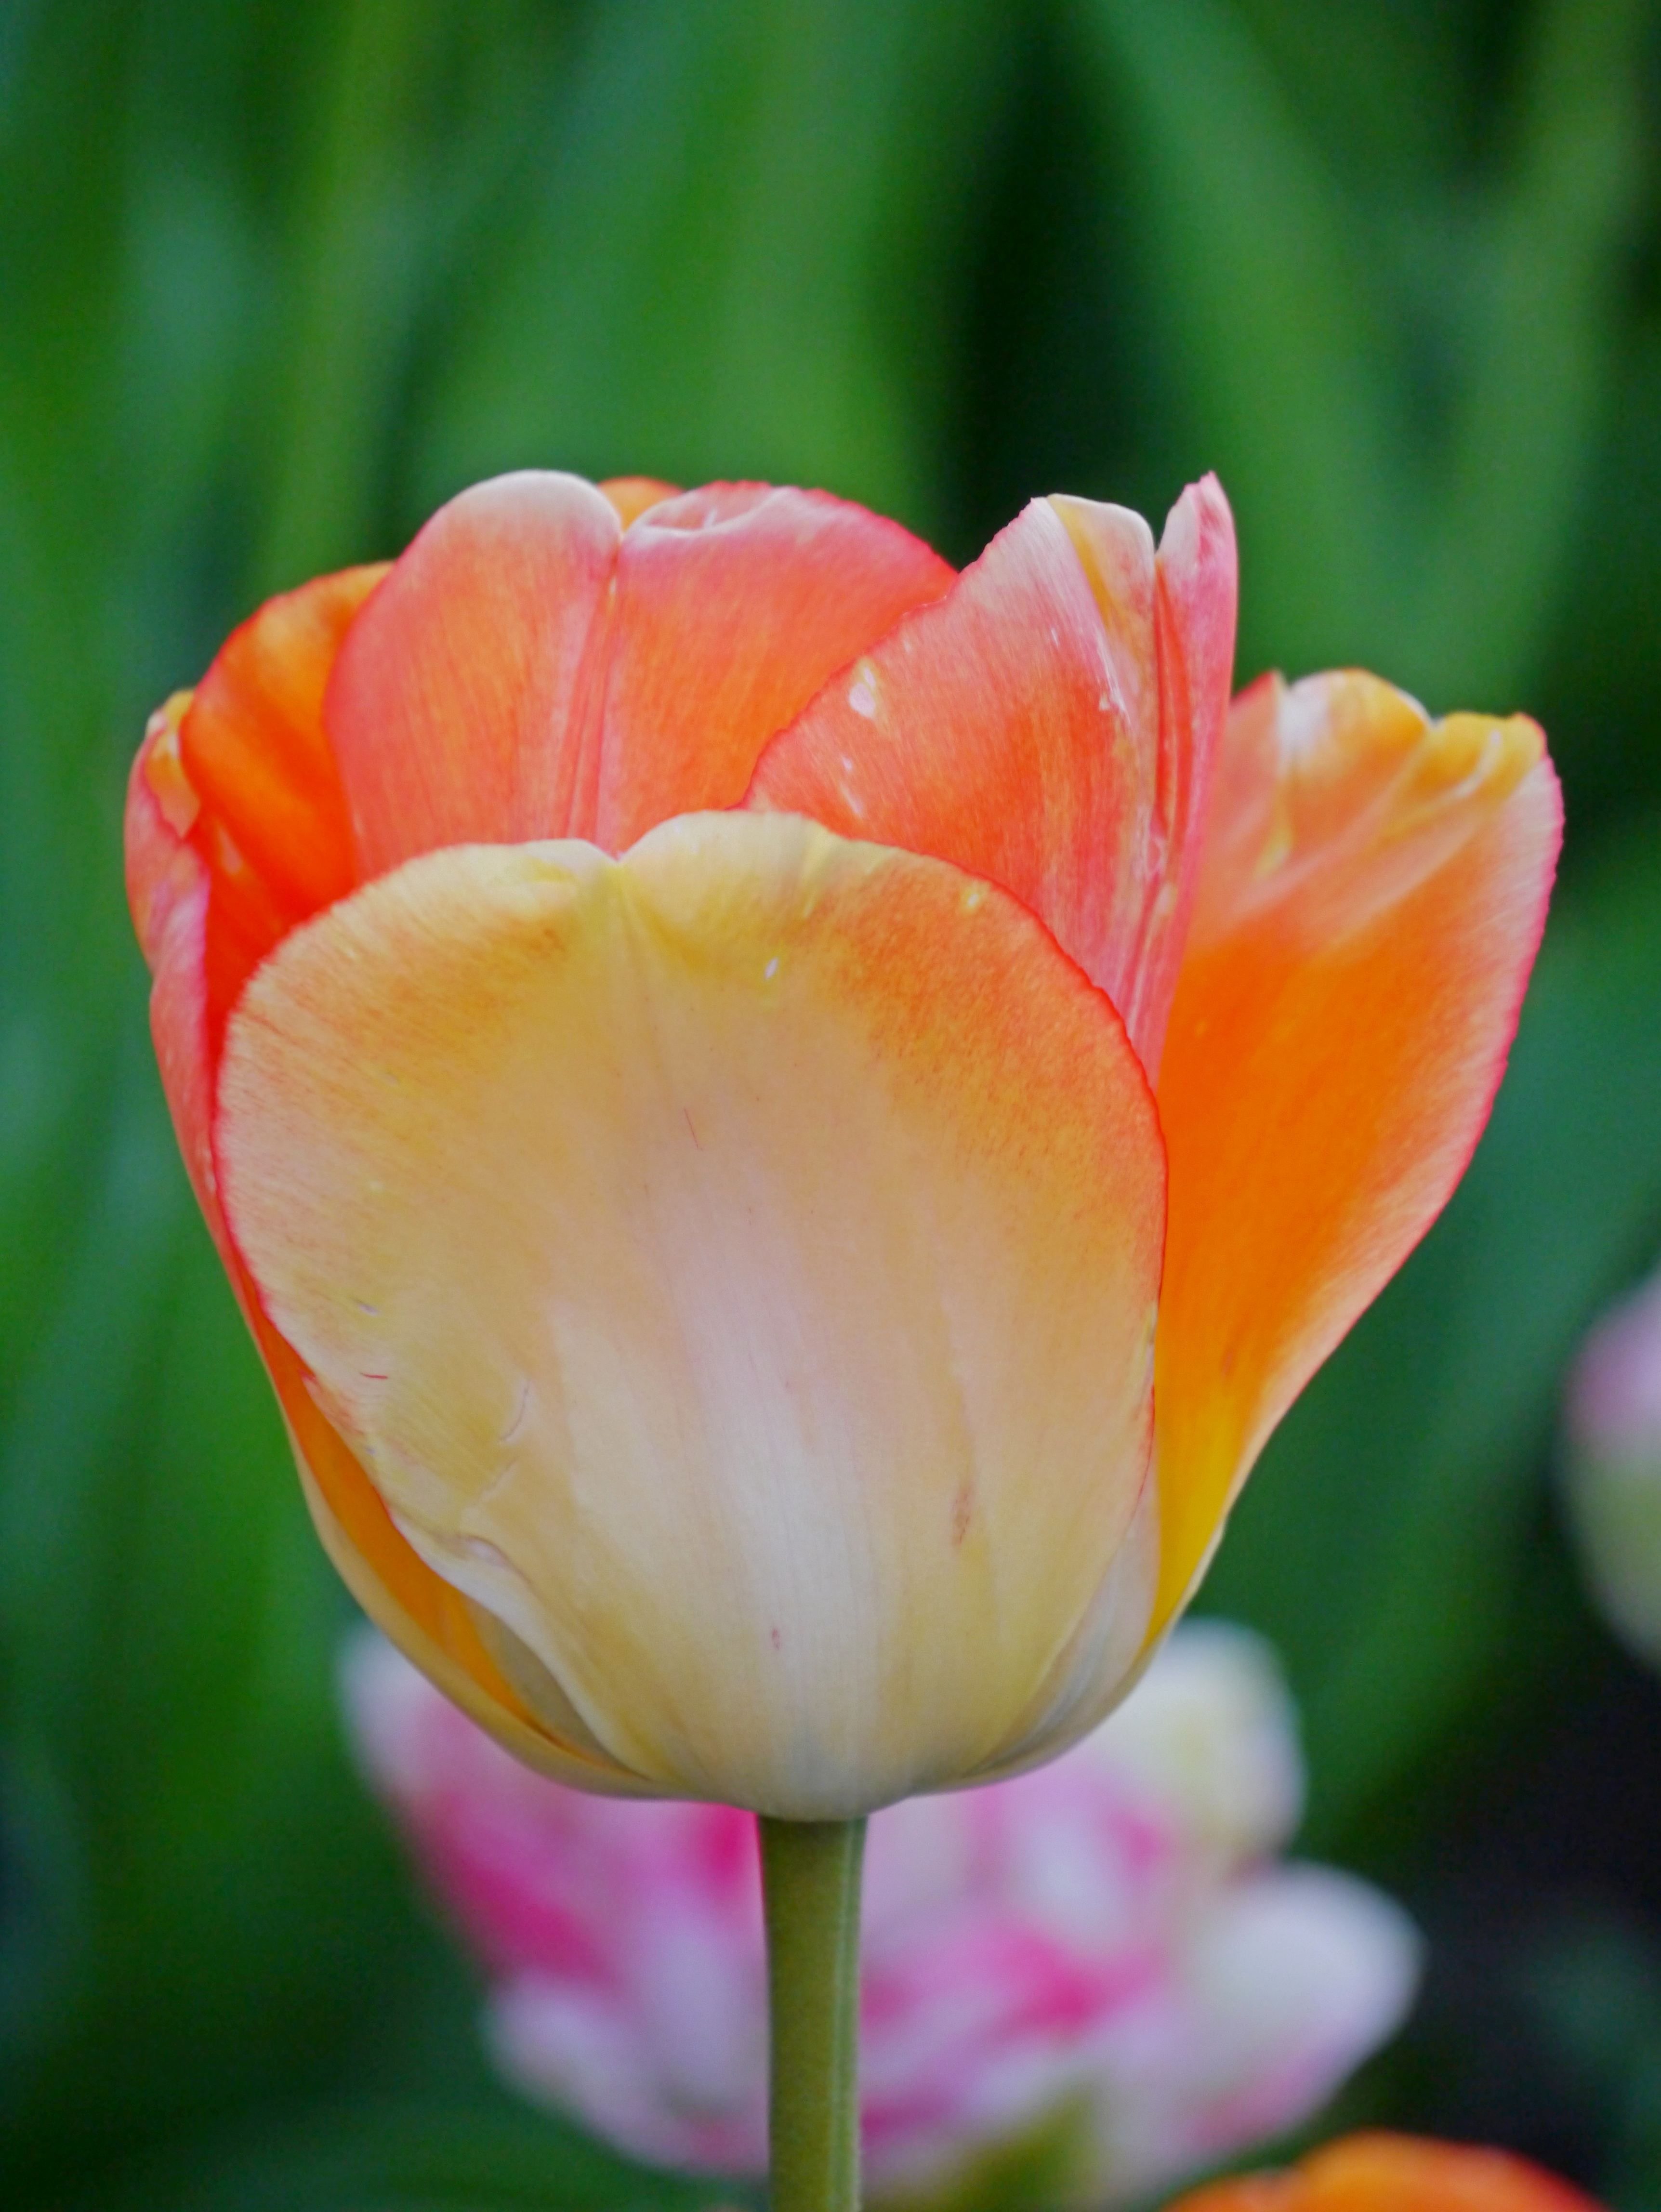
[(531, 669), (1048, 724), (735, 1267), (735, 602), (464, 704)]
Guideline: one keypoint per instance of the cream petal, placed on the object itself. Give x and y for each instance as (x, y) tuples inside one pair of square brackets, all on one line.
[(573, 1763), (735, 1266), (1105, 1657)]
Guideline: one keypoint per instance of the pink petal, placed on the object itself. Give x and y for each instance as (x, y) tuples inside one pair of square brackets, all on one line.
[(1049, 726)]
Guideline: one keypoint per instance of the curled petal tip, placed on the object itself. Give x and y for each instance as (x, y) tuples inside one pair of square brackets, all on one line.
[(162, 768), (162, 810)]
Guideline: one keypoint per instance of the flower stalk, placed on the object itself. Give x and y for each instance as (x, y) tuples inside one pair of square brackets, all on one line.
[(810, 1886)]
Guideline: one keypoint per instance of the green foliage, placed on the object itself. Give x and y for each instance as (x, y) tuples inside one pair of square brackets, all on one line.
[(275, 280)]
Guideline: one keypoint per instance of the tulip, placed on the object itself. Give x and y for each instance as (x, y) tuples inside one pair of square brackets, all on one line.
[(786, 1123), (1100, 1963), (1395, 2173), (1612, 1467), (719, 1294)]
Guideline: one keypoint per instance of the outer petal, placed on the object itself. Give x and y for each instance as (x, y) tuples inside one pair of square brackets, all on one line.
[(1379, 2172), (242, 776), (735, 1266), (253, 747), (1376, 2173), (168, 888), (1049, 725), (734, 604), (1100, 1663), (1373, 891), (431, 1622), (466, 701), (528, 671), (1196, 596)]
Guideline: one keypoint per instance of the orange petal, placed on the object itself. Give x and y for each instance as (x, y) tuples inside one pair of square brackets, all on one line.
[(172, 888), (734, 1266), (734, 604), (1048, 726), (240, 772), (253, 747), (1373, 893), (1380, 2173), (163, 810), (632, 496), (464, 704), (527, 672), (1197, 596), (168, 888)]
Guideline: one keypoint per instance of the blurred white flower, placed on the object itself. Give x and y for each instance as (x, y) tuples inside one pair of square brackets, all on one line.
[(1105, 1950), (1612, 1466)]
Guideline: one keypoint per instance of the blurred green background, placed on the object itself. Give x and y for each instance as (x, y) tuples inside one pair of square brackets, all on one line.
[(276, 279)]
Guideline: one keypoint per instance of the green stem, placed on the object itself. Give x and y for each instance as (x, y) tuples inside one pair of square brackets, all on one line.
[(810, 1872)]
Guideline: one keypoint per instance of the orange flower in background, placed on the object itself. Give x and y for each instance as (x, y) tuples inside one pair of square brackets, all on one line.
[(1395, 2174), (787, 1123)]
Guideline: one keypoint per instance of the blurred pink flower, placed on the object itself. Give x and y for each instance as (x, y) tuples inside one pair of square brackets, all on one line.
[(1613, 1465), (1103, 1948), (1615, 1395)]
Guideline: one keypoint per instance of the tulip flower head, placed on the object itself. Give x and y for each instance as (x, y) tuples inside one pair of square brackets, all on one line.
[(786, 1123), (1395, 2173), (1101, 1964), (1612, 1466)]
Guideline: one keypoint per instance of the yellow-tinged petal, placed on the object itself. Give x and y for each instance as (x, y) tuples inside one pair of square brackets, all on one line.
[(431, 1622), (1372, 895), (735, 1267), (632, 496)]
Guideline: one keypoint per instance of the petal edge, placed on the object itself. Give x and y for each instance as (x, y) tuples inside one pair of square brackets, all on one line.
[(1373, 893)]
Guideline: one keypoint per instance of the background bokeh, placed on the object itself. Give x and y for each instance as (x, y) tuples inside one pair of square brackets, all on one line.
[(274, 278)]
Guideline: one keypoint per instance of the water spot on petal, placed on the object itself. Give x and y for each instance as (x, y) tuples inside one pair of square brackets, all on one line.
[(962, 1510)]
